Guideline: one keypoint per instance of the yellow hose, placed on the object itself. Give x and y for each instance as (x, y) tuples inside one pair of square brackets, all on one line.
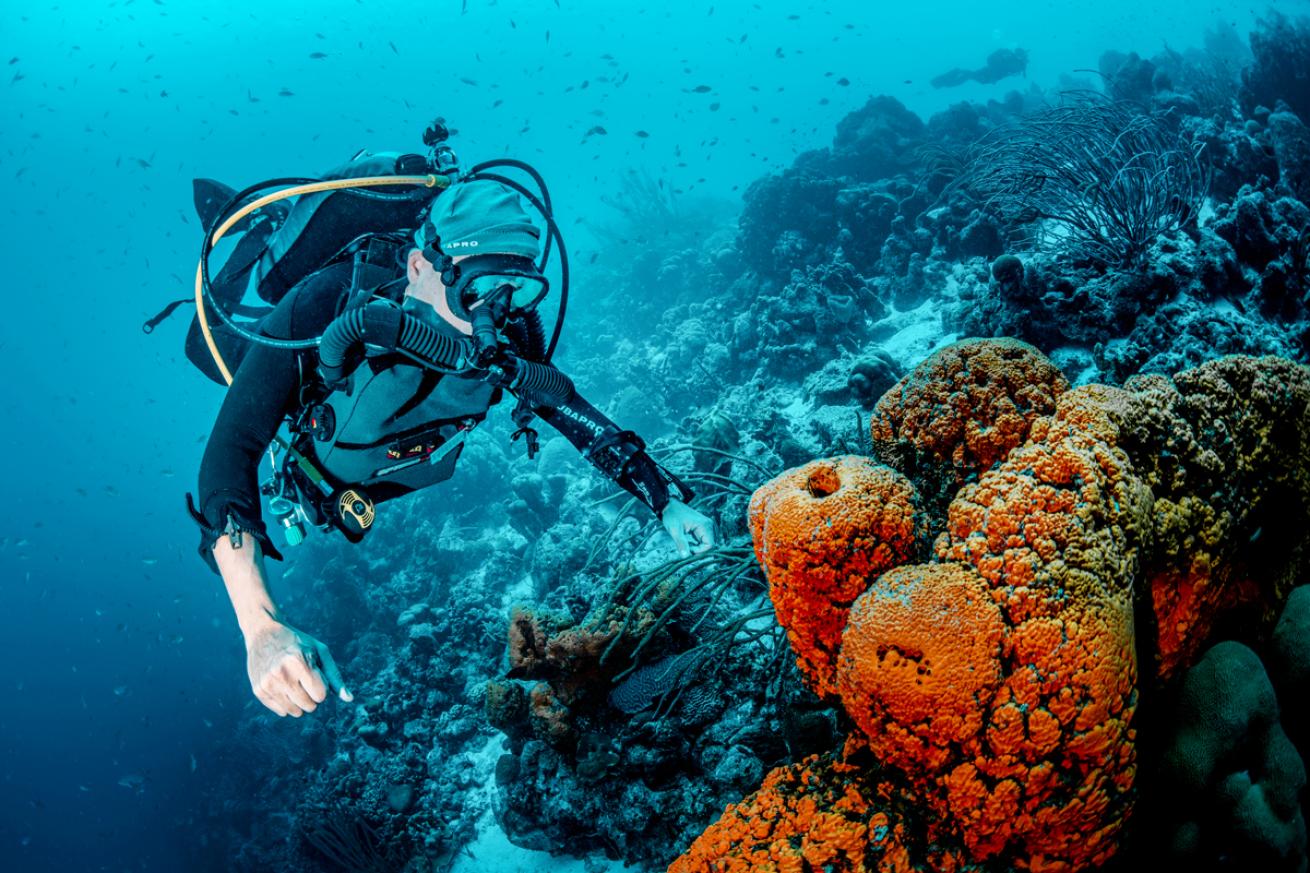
[(429, 181)]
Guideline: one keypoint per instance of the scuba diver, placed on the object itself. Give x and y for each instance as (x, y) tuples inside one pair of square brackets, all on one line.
[(380, 362), (1001, 64)]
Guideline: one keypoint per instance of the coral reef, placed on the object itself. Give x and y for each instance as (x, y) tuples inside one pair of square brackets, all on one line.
[(1092, 180), (981, 501), (1280, 47), (995, 688)]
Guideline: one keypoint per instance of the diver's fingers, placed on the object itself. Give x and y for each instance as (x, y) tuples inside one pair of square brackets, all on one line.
[(679, 539), (296, 675), (294, 709), (266, 695), (333, 674), (704, 534), (311, 680)]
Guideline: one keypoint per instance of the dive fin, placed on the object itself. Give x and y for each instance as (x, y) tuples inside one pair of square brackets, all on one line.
[(211, 195)]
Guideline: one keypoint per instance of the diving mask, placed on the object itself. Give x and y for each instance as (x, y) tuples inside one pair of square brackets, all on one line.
[(505, 283)]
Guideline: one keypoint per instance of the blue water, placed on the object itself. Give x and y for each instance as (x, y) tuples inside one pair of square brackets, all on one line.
[(120, 664)]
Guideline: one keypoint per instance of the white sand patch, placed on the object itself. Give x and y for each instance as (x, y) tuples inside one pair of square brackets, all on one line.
[(491, 850), (914, 333)]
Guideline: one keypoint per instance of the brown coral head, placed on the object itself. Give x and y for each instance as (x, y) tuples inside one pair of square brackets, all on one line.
[(527, 644), (551, 720)]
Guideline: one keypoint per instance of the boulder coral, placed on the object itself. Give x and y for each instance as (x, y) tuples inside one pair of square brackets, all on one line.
[(962, 410), (1094, 533)]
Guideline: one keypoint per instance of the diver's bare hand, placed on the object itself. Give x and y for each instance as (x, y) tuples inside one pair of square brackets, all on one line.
[(290, 671), (691, 531)]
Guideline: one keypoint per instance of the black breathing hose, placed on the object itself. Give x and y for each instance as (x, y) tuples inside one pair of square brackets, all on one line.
[(545, 385), (386, 325)]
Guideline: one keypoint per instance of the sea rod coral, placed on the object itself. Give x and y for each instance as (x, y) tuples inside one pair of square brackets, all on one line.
[(995, 687)]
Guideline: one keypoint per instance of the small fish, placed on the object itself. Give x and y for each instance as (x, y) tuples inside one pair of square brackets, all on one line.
[(596, 130), (701, 89), (13, 61), (150, 562), (714, 107), (120, 690), (317, 56), (393, 47), (843, 81), (193, 763), (468, 81), (642, 134), (286, 92)]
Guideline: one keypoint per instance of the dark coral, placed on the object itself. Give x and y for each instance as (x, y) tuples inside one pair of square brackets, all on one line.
[(876, 141), (1280, 47), (1234, 772)]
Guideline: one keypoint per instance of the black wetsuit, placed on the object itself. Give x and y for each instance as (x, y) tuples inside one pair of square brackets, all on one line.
[(271, 384)]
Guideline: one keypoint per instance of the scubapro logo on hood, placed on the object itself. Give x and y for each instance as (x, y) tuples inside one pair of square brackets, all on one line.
[(466, 244)]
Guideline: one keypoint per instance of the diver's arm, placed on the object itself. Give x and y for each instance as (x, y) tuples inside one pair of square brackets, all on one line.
[(620, 455), (264, 385), (264, 389), (290, 671), (242, 569)]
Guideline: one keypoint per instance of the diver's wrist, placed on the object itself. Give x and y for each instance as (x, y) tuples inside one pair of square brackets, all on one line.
[(256, 621)]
